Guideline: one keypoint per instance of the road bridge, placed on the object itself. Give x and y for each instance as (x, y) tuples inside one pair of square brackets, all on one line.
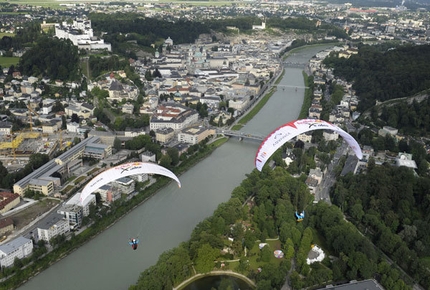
[(240, 135), (294, 64), (288, 86)]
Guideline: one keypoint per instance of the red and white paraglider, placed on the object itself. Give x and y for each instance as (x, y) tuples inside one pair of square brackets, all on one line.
[(290, 130), (124, 170)]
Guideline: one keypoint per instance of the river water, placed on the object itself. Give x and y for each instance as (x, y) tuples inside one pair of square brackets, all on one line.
[(107, 262)]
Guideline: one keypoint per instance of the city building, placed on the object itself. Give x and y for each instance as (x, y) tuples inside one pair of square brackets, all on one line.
[(195, 135), (356, 285), (51, 226), (73, 214), (42, 180), (81, 34), (8, 200), (5, 128), (6, 225), (148, 156), (173, 116), (164, 135), (75, 200), (125, 185), (18, 248)]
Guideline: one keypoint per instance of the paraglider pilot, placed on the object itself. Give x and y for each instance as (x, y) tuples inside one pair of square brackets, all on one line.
[(133, 242)]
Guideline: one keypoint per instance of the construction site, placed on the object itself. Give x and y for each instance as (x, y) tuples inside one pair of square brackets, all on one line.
[(17, 147)]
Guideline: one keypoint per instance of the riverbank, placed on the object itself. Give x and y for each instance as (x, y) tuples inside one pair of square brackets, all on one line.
[(32, 269), (257, 106)]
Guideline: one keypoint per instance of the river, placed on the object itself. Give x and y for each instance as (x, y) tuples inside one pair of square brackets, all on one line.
[(107, 262)]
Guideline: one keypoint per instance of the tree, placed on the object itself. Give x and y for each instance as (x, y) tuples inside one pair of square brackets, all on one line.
[(166, 161), (117, 144), (206, 256), (174, 155), (75, 118), (265, 254)]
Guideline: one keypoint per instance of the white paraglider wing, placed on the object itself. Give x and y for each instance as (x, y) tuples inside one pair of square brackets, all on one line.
[(124, 170), (290, 130)]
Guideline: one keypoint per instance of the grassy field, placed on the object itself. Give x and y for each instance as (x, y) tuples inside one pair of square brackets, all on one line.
[(6, 34), (8, 61)]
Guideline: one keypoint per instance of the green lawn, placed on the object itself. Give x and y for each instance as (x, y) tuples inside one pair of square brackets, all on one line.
[(6, 34), (254, 256), (8, 61)]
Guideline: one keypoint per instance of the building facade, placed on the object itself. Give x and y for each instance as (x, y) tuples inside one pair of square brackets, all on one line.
[(18, 248)]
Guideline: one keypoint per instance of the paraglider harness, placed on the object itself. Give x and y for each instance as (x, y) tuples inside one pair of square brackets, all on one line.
[(300, 216), (134, 242)]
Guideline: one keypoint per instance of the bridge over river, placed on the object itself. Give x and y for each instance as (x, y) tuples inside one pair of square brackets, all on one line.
[(241, 135), (294, 64)]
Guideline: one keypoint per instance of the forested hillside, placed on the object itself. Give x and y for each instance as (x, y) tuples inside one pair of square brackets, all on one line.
[(381, 73), (392, 206), (263, 207), (52, 57), (410, 117)]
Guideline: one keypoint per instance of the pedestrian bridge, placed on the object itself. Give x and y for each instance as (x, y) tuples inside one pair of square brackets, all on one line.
[(240, 135)]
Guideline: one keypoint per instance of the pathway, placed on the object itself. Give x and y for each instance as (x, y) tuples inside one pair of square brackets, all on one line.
[(215, 273)]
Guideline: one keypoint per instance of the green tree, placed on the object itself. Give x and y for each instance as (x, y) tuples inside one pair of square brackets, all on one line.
[(173, 152), (117, 143), (166, 161), (205, 260)]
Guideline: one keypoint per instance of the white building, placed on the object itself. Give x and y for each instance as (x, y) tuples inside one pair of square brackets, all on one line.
[(72, 127), (81, 34), (239, 103), (85, 204), (173, 116), (305, 137), (73, 214), (18, 248), (126, 185), (330, 135), (148, 156), (52, 226), (195, 135)]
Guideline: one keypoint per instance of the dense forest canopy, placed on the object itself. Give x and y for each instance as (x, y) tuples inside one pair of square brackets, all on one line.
[(24, 37), (392, 206), (411, 118), (122, 27), (383, 73), (51, 57)]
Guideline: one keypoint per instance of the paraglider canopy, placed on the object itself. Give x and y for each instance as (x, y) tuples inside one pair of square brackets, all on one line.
[(124, 170), (292, 129)]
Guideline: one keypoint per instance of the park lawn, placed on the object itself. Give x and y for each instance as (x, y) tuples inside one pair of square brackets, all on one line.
[(254, 254), (8, 61), (6, 34)]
